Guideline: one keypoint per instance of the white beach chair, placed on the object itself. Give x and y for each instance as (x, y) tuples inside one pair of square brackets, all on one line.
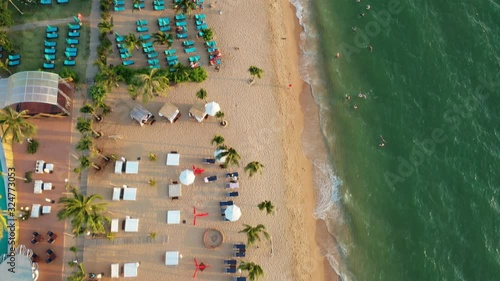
[(115, 270)]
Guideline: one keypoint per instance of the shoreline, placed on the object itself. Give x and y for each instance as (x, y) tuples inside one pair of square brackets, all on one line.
[(308, 114)]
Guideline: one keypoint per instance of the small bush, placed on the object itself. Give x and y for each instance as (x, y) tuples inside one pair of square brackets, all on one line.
[(152, 156), (198, 75), (69, 73), (28, 176), (208, 34), (126, 73), (97, 93), (152, 182), (33, 146), (73, 249)]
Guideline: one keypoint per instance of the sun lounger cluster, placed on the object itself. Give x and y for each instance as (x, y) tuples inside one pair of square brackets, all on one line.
[(119, 5), (14, 60), (164, 24), (124, 193), (181, 26), (73, 34), (125, 53), (140, 5), (159, 5)]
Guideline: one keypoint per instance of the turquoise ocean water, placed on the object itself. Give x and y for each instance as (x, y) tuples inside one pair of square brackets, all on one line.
[(426, 205)]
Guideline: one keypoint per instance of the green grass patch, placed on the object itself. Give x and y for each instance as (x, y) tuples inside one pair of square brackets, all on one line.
[(30, 45), (37, 12)]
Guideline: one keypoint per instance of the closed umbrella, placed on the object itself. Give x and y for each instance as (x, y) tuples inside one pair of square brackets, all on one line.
[(232, 213), (212, 108), (187, 177), (222, 159)]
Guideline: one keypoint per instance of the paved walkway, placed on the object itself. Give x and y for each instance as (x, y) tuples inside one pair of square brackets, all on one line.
[(160, 239), (43, 23)]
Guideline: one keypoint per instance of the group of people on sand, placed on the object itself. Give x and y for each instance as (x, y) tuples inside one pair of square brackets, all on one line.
[(214, 56)]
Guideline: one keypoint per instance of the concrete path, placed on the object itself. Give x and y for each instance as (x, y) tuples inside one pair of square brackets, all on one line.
[(43, 23), (94, 19)]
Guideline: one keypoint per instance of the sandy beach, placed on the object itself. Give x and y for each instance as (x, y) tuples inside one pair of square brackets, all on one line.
[(265, 124)]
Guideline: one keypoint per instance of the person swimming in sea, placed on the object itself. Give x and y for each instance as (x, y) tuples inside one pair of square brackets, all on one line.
[(347, 97), (382, 141), (368, 7)]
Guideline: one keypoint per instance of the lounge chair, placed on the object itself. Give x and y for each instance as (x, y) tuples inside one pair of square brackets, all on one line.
[(50, 29), (239, 278), (48, 66), (125, 55), (181, 35), (230, 262), (211, 44), (190, 50), (119, 38), (231, 175), (141, 22), (200, 34), (142, 29), (51, 259), (157, 66), (208, 161), (194, 59), (231, 269), (62, 1), (49, 252), (70, 55), (159, 2), (165, 28), (69, 62), (210, 179), (14, 57), (226, 203), (172, 58), (128, 62), (232, 185), (181, 23), (123, 51), (232, 194), (52, 35), (49, 51), (201, 27), (139, 6), (152, 55), (49, 57), (74, 34), (241, 246), (180, 16), (145, 37), (188, 43), (73, 26), (72, 41), (239, 254), (172, 63), (119, 8), (71, 49), (119, 3), (115, 270), (153, 62), (46, 2), (158, 7), (148, 49), (200, 16), (147, 44), (170, 52), (163, 22)]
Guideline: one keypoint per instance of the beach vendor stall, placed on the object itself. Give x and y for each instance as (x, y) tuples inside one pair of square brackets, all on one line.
[(169, 111), (142, 115)]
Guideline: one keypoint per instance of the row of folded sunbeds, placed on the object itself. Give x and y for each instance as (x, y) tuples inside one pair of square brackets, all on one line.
[(52, 32), (49, 2)]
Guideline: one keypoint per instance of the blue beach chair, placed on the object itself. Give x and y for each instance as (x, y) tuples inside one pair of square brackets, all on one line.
[(141, 22), (128, 62), (165, 28), (119, 3), (190, 50), (147, 44), (145, 37), (163, 22), (153, 61), (70, 55), (180, 16), (172, 58), (148, 50), (14, 57), (48, 65), (119, 9), (50, 29), (50, 43), (172, 63), (170, 52), (125, 55), (152, 55), (73, 26), (201, 27), (188, 43), (49, 57), (182, 35), (211, 44), (49, 51), (159, 7), (142, 29), (69, 63), (69, 49), (46, 2), (139, 6), (74, 34), (62, 1), (52, 35), (181, 23), (194, 59), (14, 62), (200, 16), (72, 41), (157, 66)]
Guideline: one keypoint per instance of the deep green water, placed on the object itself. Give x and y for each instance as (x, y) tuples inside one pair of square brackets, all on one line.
[(426, 206)]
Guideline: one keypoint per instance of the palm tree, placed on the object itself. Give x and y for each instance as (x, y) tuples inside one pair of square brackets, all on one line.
[(218, 140), (163, 38), (208, 34), (253, 167), (14, 124), (268, 206), (78, 275), (180, 73), (232, 157), (105, 27), (83, 211), (85, 143), (89, 108), (108, 77), (3, 223), (186, 6), (253, 233), (151, 84), (220, 116), (5, 65), (254, 270), (202, 94), (85, 163), (255, 72), (131, 41), (85, 126)]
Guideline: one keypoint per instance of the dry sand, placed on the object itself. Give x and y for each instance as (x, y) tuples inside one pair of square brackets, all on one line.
[(265, 125)]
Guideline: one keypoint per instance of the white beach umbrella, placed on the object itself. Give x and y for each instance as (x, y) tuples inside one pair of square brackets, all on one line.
[(222, 159), (212, 108), (187, 177), (232, 213)]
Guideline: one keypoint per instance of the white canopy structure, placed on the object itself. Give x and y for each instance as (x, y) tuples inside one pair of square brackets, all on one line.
[(130, 269), (216, 154), (169, 111), (198, 112), (171, 258), (232, 213), (131, 225), (212, 108), (187, 177), (141, 115), (34, 87), (129, 193), (25, 269)]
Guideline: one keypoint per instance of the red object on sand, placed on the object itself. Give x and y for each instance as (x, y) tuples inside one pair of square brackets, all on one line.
[(290, 86), (198, 171), (198, 215), (200, 267)]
